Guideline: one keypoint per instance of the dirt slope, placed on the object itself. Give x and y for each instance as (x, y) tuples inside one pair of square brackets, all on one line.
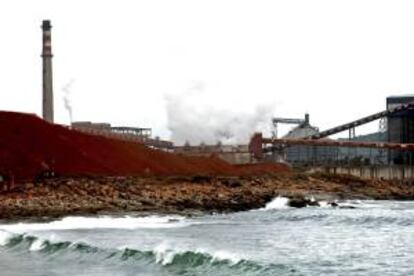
[(29, 145)]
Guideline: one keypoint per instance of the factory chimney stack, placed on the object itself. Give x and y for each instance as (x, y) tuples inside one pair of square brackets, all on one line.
[(47, 72)]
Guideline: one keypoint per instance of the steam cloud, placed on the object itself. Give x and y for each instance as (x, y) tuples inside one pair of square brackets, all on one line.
[(66, 99), (191, 120)]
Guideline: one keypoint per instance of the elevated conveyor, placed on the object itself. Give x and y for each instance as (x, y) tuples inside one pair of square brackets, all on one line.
[(362, 121)]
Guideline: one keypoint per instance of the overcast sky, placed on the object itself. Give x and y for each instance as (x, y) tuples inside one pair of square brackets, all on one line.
[(337, 60)]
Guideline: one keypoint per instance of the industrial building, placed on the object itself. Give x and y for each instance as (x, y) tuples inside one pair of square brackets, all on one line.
[(132, 134), (306, 145), (297, 154), (234, 154), (400, 128)]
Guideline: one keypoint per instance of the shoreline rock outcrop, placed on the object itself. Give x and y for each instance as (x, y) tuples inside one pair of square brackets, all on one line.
[(56, 197)]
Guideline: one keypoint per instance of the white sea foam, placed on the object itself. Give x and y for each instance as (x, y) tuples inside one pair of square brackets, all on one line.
[(164, 255), (4, 237), (127, 222), (37, 245), (350, 203), (359, 203), (277, 203), (324, 204), (226, 256)]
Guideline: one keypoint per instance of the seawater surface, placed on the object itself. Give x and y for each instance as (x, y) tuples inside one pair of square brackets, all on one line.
[(375, 238)]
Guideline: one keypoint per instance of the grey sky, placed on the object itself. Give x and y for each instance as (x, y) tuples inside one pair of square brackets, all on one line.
[(337, 60)]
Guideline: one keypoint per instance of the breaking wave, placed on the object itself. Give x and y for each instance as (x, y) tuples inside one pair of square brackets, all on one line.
[(281, 202), (168, 258), (277, 203), (105, 222)]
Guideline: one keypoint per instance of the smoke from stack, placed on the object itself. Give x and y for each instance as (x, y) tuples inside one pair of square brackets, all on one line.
[(189, 119), (66, 99)]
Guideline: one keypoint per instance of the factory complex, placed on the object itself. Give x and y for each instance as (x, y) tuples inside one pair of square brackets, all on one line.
[(303, 146)]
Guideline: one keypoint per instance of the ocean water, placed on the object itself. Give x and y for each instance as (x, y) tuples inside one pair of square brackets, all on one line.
[(375, 238)]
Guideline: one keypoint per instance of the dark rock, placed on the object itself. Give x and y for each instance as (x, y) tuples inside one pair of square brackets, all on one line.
[(231, 182), (313, 203), (333, 204), (298, 202), (347, 207), (201, 179), (301, 202)]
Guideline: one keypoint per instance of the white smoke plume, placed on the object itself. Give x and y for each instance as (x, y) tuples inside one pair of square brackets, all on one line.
[(191, 120), (66, 98)]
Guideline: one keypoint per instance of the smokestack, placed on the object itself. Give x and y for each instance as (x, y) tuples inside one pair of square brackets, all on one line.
[(47, 72), (307, 119)]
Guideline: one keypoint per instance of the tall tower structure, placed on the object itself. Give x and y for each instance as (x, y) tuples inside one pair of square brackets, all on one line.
[(47, 72)]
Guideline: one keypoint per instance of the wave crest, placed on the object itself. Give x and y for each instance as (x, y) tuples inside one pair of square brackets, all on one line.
[(171, 259)]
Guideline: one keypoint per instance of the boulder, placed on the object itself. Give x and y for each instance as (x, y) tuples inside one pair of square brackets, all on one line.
[(299, 201)]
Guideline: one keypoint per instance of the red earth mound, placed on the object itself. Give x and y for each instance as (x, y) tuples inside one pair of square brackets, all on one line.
[(29, 146)]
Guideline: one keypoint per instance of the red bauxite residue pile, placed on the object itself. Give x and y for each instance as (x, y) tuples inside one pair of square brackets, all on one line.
[(29, 145)]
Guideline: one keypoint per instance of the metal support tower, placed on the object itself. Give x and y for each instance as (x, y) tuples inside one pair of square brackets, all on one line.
[(352, 133)]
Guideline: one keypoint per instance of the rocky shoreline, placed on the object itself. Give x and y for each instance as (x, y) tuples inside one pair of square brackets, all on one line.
[(58, 197)]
